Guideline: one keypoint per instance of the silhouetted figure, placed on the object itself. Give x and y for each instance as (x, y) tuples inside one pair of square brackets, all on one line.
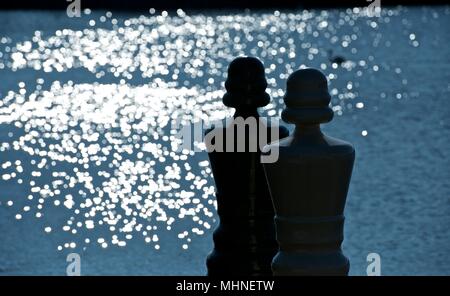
[(335, 59), (309, 183), (244, 241)]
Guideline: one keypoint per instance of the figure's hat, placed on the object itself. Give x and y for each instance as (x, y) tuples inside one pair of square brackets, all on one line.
[(307, 99), (246, 84)]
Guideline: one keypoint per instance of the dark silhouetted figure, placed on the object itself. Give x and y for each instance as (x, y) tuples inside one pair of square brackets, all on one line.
[(309, 183), (244, 241), (335, 59)]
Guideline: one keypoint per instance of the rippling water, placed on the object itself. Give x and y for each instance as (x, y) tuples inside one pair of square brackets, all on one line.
[(87, 114)]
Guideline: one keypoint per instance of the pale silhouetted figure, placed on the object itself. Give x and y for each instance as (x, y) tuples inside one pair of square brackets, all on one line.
[(309, 183)]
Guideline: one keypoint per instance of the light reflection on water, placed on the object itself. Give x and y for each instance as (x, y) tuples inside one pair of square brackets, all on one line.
[(105, 153), (102, 151)]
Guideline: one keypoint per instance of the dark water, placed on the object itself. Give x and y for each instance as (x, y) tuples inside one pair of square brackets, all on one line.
[(87, 161)]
